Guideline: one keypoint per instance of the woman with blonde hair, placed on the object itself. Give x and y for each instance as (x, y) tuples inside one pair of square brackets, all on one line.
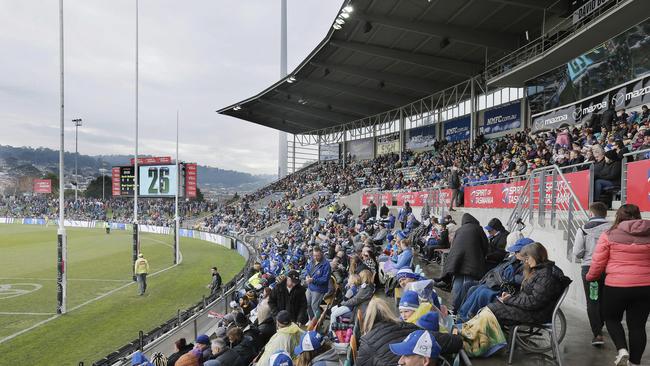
[(381, 327)]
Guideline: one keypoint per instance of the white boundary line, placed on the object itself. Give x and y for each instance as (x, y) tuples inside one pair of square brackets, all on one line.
[(12, 336), (12, 313)]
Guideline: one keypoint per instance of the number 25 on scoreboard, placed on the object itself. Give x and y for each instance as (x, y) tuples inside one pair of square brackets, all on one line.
[(159, 177)]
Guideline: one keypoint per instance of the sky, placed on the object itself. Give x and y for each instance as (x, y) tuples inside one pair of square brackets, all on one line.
[(196, 56)]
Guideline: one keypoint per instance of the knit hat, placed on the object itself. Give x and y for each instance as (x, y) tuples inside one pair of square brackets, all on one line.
[(203, 339), (309, 341), (520, 244), (280, 358), (429, 321), (406, 273), (389, 237), (420, 342), (409, 301), (513, 237), (401, 235)]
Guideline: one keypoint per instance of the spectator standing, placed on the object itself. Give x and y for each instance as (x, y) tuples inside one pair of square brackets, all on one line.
[(383, 211), (141, 268), (372, 210), (623, 253), (215, 284), (454, 184), (317, 277), (289, 295), (287, 337), (466, 259), (583, 248)]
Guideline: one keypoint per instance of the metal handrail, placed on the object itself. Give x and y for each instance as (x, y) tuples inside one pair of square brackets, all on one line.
[(547, 41), (633, 153)]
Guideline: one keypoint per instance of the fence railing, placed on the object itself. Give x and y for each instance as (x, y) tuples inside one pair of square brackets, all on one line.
[(548, 199), (186, 323), (548, 40)]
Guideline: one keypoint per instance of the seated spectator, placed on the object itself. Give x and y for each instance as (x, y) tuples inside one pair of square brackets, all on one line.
[(408, 305), (139, 359), (607, 173), (541, 287), (181, 347), (313, 350), (223, 356), (429, 321), (497, 236), (243, 345), (287, 337), (417, 349), (506, 277), (397, 262), (198, 354), (281, 358)]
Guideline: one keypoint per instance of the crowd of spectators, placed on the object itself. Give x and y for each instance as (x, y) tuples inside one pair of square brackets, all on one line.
[(151, 211)]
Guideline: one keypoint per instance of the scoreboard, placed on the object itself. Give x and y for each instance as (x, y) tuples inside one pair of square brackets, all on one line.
[(159, 178)]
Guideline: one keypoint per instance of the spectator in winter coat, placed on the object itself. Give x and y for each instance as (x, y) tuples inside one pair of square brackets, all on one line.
[(317, 277), (454, 184), (223, 356), (198, 354), (497, 236), (542, 286), (359, 300), (243, 345), (289, 295), (607, 172), (181, 348), (466, 259), (287, 337), (583, 248), (372, 210), (623, 253), (383, 211), (215, 284), (382, 327)]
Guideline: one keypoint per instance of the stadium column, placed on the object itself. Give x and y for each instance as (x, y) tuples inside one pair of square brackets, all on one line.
[(345, 140), (401, 132), (135, 160), (473, 115)]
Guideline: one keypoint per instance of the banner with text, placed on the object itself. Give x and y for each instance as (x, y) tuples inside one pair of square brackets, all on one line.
[(42, 186), (457, 129), (502, 119), (388, 144), (421, 138), (629, 95), (638, 184), (329, 152)]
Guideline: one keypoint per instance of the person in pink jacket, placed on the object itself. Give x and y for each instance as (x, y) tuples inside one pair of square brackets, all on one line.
[(623, 253)]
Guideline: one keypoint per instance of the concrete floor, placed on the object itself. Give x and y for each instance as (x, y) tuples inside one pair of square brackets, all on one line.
[(576, 347)]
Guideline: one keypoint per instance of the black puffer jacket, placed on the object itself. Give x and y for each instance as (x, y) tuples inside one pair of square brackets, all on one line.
[(537, 298), (246, 349), (468, 251), (294, 301), (374, 347)]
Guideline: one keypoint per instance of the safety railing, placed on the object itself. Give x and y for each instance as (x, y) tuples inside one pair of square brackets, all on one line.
[(548, 40), (186, 323), (624, 169), (548, 199)]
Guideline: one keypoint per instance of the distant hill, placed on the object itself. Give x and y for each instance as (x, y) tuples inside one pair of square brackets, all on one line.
[(17, 160)]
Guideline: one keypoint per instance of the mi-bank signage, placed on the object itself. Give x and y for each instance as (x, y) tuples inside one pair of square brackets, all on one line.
[(457, 129), (628, 95), (502, 119)]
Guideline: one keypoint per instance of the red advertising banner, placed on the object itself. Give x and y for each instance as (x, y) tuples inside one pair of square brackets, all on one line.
[(190, 180), (154, 160), (115, 180), (42, 186), (378, 198), (638, 184), (506, 195)]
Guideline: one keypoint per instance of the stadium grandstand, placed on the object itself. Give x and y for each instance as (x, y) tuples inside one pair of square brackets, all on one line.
[(469, 184)]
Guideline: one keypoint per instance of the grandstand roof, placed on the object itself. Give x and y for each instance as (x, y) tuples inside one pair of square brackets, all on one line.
[(391, 53)]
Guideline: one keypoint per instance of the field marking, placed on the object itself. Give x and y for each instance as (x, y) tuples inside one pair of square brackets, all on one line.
[(34, 326), (18, 313), (69, 279), (11, 290), (180, 254)]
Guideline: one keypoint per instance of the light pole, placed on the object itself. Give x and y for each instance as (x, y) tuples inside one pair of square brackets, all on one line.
[(77, 123), (103, 171)]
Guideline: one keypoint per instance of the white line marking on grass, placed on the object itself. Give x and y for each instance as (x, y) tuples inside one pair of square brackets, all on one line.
[(12, 336), (69, 279), (13, 313), (180, 254)]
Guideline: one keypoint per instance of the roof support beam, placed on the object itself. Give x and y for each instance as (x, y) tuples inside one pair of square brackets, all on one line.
[(392, 100), (325, 115), (358, 109), (483, 38), (444, 64), (416, 84), (557, 7)]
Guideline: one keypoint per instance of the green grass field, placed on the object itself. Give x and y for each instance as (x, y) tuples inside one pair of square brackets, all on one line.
[(97, 264)]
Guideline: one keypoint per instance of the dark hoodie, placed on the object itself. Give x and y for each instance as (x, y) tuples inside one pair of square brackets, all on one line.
[(468, 251)]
